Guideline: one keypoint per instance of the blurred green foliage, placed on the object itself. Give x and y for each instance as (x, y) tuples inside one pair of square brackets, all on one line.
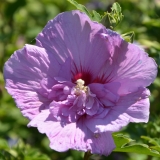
[(20, 22)]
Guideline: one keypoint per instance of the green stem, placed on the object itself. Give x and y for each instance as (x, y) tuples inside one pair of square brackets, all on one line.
[(87, 155)]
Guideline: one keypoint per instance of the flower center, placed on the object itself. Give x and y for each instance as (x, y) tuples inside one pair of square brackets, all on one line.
[(80, 87)]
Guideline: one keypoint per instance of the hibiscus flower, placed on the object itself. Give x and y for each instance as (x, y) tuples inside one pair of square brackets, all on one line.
[(80, 83)]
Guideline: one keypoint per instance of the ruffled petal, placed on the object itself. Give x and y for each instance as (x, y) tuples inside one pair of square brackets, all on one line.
[(129, 65), (73, 135), (27, 74), (63, 112), (133, 107), (73, 34), (106, 93)]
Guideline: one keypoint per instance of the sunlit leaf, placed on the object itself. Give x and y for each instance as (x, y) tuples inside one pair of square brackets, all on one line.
[(150, 43), (80, 7), (129, 36), (3, 144), (152, 22), (108, 19), (116, 8), (113, 18), (126, 144), (96, 16)]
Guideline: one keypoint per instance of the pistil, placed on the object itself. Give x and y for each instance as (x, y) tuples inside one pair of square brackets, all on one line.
[(80, 87)]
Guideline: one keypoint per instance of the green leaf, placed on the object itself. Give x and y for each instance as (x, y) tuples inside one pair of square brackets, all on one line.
[(150, 44), (3, 144), (110, 20), (116, 7), (113, 18), (96, 16), (80, 7), (129, 36), (20, 151), (126, 144), (106, 21), (153, 141), (2, 156), (152, 22)]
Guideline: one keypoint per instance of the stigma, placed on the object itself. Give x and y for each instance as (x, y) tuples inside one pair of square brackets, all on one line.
[(80, 87)]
